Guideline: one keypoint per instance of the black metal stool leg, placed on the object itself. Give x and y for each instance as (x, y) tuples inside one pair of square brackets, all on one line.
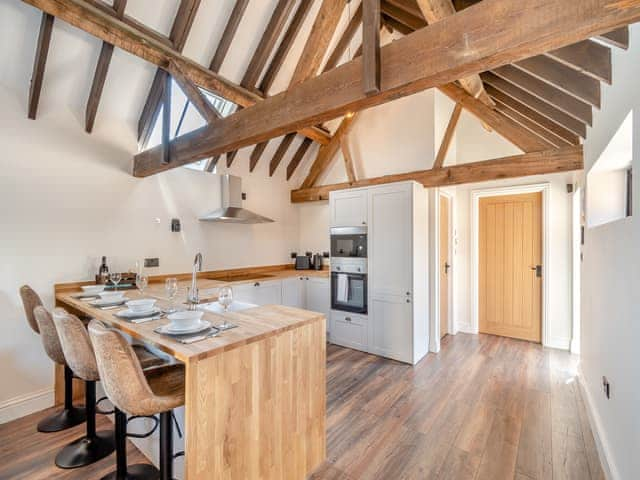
[(124, 471), (70, 416), (92, 447), (166, 446)]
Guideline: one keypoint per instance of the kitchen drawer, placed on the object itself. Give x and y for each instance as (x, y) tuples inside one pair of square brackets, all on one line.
[(349, 330)]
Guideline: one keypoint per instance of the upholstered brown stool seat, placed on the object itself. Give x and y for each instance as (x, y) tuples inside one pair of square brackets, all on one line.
[(138, 392), (69, 416)]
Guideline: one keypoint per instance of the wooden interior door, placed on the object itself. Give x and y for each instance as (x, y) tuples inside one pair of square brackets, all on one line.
[(444, 265), (510, 270)]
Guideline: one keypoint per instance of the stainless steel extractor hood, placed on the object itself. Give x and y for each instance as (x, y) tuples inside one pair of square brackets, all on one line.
[(231, 210)]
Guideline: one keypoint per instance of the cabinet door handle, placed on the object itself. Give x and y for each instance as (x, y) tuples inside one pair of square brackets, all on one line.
[(348, 319), (408, 301), (408, 293), (364, 223), (257, 284)]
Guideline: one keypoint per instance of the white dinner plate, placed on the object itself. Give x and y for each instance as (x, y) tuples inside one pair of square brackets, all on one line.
[(129, 314), (109, 302), (171, 330)]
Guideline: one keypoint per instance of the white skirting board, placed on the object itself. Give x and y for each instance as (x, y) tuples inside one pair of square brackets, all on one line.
[(23, 405), (610, 471)]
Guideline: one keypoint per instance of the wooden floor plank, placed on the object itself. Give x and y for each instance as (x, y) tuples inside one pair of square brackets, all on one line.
[(484, 408)]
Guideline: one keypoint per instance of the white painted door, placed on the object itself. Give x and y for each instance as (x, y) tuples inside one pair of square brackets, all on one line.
[(293, 292), (390, 231), (390, 327), (318, 295), (348, 208)]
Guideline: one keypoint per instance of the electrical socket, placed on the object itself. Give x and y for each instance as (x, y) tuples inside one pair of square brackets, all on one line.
[(606, 387), (151, 262)]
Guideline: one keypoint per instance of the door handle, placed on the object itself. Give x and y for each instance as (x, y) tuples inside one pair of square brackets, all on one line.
[(538, 270), (446, 267)]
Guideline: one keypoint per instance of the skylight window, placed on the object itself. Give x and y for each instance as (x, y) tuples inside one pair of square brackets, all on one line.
[(185, 118)]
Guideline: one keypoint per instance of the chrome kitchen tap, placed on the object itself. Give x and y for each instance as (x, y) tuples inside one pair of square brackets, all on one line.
[(193, 298)]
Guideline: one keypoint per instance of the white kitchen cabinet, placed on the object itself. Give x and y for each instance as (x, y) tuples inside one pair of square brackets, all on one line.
[(390, 328), (348, 208), (348, 329), (259, 293), (293, 292), (318, 295)]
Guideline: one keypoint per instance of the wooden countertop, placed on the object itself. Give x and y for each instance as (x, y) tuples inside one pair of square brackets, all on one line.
[(253, 324)]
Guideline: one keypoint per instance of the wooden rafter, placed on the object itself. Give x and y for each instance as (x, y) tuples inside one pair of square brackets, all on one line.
[(104, 25), (327, 152), (588, 57), (179, 31), (166, 120), (504, 32), (574, 83), (537, 163), (285, 45), (434, 11), (448, 136), (531, 114), (345, 40), (348, 160), (229, 32), (617, 38), (297, 157), (282, 149), (530, 125), (39, 64), (100, 75), (540, 106), (544, 91), (371, 46)]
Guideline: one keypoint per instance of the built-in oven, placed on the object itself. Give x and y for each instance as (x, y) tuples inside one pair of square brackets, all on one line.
[(349, 242), (349, 286)]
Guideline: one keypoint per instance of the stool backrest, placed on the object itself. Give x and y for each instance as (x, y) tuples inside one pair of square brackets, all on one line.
[(30, 300), (120, 372), (49, 334), (76, 345)]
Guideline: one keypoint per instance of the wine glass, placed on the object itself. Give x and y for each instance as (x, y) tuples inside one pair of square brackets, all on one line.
[(115, 278), (171, 288), (225, 298), (142, 280)]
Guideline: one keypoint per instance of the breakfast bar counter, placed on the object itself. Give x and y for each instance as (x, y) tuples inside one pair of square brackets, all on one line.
[(255, 394)]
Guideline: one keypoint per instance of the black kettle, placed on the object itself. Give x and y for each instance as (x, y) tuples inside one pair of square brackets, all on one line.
[(317, 261)]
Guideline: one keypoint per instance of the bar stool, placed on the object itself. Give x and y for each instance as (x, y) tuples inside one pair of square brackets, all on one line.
[(70, 416), (138, 392)]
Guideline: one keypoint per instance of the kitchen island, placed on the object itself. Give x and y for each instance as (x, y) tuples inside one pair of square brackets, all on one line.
[(255, 394)]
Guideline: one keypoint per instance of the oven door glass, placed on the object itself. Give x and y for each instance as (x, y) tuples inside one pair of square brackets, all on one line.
[(349, 292), (349, 246)]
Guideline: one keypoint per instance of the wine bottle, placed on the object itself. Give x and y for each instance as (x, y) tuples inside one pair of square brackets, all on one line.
[(103, 272)]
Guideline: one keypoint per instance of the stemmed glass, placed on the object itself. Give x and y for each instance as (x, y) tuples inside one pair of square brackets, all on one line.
[(115, 278), (171, 288), (225, 298), (142, 280)]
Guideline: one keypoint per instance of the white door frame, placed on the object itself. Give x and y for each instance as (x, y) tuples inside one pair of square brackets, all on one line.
[(476, 195), (449, 196)]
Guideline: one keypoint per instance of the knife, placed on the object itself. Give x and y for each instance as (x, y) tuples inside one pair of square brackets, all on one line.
[(198, 338)]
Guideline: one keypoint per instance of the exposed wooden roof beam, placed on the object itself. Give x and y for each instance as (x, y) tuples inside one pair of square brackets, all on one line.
[(100, 75), (530, 113), (588, 57), (348, 160), (39, 64), (179, 31), (530, 125), (345, 40), (282, 149), (371, 46), (318, 41), (533, 102), (402, 16), (503, 32), (617, 38), (229, 32), (285, 45), (557, 160), (448, 136), (297, 157), (103, 25), (520, 137), (546, 92), (267, 43), (566, 79)]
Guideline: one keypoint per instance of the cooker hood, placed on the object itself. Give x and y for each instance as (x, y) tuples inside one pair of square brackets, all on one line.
[(231, 210)]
